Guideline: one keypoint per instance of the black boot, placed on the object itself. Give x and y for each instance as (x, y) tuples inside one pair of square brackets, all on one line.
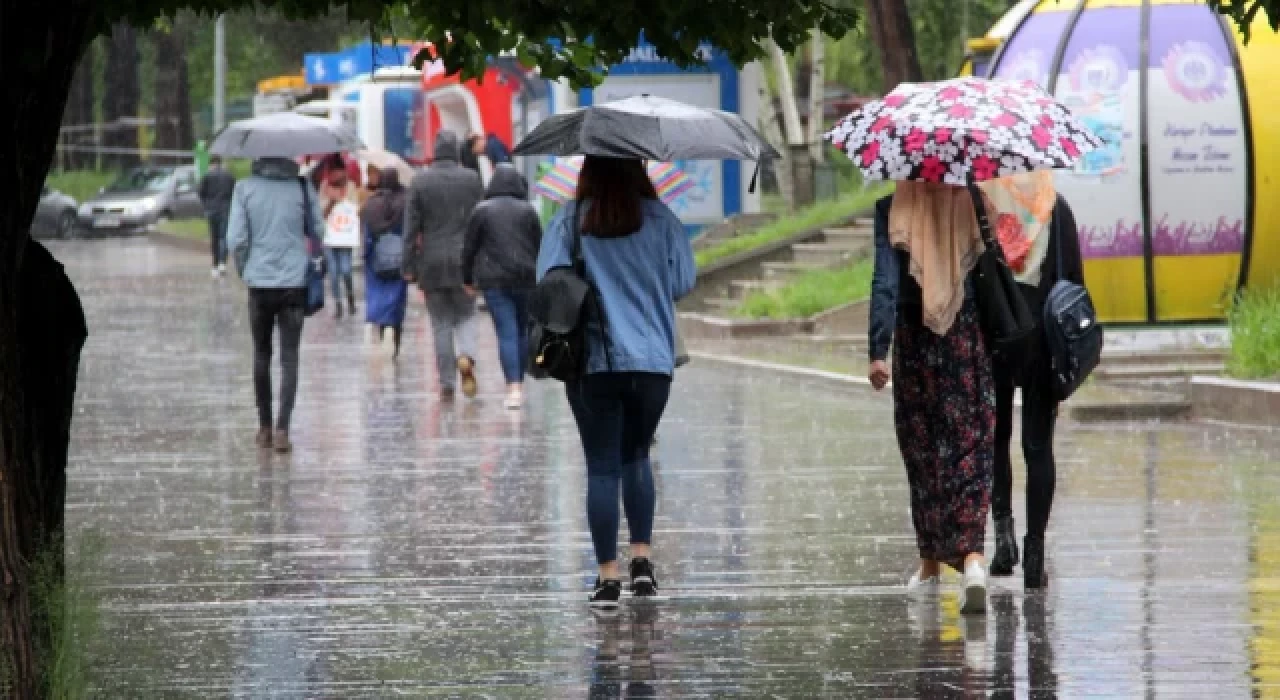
[(1006, 548), (1033, 576)]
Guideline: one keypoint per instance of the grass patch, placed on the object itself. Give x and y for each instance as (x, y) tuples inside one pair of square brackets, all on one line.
[(816, 216), (197, 229), (1255, 335), (81, 184), (811, 292)]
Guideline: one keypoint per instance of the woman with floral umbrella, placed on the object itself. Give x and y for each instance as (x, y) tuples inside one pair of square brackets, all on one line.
[(938, 140)]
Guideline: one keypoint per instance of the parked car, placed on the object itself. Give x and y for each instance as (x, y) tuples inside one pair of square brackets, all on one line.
[(141, 198), (55, 215)]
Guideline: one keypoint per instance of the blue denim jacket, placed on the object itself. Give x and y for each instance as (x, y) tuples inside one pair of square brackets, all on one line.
[(639, 278)]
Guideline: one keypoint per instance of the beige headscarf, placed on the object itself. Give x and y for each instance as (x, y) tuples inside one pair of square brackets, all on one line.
[(1021, 208), (936, 225)]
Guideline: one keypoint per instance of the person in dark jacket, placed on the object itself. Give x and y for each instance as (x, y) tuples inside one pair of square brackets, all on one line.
[(500, 257), (1039, 405), (215, 195), (922, 303), (385, 299), (441, 199), (470, 152)]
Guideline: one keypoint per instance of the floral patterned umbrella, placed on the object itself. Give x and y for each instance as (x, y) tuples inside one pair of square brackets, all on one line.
[(961, 131)]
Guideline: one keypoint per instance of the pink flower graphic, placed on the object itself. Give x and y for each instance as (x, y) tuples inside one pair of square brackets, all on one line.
[(942, 134), (960, 112), (1041, 136), (984, 168), (1069, 147), (950, 94), (932, 169), (914, 141), (894, 100), (1006, 120), (870, 153), (881, 124)]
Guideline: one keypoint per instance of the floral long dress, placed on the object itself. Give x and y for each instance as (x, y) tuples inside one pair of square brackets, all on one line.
[(945, 414)]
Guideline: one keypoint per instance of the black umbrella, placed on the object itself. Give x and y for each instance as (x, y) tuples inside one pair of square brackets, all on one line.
[(649, 128)]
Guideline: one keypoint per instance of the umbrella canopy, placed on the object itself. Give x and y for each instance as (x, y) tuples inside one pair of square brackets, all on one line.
[(386, 160), (960, 131), (649, 128), (284, 135), (560, 184)]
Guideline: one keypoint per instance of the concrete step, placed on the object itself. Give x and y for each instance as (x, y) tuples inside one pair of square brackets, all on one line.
[(828, 253), (741, 289), (722, 304), (783, 271), (1127, 357), (849, 235), (1157, 371)]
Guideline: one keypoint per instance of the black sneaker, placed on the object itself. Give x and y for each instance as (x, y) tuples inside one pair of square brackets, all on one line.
[(606, 595), (643, 583)]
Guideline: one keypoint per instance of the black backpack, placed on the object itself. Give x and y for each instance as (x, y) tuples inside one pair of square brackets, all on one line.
[(561, 308), (1071, 330)]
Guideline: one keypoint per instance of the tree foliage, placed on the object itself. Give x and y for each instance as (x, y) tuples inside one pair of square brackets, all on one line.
[(1244, 12)]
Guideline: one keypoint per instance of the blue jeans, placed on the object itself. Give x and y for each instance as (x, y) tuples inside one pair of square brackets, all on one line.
[(617, 414), (339, 260), (508, 309)]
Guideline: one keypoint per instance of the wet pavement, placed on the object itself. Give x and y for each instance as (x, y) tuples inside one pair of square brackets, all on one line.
[(411, 549)]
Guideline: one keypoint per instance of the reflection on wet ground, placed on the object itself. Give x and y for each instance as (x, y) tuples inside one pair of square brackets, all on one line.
[(409, 548)]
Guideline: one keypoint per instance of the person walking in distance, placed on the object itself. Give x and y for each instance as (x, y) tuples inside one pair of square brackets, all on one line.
[(440, 201), (341, 236), (267, 236), (500, 256), (385, 295), (639, 261), (215, 195), (1039, 239)]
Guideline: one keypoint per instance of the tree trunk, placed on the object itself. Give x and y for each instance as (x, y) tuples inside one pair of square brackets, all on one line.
[(173, 105), (817, 92), (40, 51), (769, 120), (890, 25), (786, 96), (121, 95)]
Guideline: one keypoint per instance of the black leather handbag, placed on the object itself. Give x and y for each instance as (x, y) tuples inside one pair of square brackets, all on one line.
[(561, 309), (1007, 321)]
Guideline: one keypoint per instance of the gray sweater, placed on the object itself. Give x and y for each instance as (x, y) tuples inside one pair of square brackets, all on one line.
[(439, 204)]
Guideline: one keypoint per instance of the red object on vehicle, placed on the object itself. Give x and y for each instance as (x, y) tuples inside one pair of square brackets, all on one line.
[(489, 100)]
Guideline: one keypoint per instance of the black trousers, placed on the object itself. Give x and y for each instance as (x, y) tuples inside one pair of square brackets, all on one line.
[(268, 309), (1039, 416), (218, 221)]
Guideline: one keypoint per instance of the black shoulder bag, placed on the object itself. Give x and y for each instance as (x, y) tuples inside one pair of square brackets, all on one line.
[(1007, 321), (1072, 331), (561, 308)]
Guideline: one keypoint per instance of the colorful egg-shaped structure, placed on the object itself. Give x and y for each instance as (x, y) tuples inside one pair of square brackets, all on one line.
[(1180, 209)]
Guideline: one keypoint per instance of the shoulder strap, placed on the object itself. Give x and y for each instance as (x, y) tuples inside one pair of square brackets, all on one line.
[(580, 266), (308, 230), (984, 224), (1056, 231)]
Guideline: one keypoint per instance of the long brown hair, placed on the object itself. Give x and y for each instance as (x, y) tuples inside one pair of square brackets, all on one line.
[(616, 188)]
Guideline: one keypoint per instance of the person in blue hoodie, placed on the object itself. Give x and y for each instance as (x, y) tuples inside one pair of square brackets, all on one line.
[(639, 260), (267, 236)]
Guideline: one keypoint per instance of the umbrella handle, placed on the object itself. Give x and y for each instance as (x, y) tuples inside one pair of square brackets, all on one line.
[(751, 188)]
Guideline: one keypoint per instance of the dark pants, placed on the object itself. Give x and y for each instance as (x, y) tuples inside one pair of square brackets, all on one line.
[(218, 236), (508, 308), (269, 308), (1039, 414), (617, 414)]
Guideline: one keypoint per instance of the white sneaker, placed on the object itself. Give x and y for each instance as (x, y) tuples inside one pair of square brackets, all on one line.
[(974, 599), (216, 274), (514, 400), (923, 588), (222, 269)]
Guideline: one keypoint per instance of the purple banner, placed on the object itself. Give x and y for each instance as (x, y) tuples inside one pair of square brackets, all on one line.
[(1122, 239), (1031, 49), (1102, 50), (1215, 237), (1172, 25)]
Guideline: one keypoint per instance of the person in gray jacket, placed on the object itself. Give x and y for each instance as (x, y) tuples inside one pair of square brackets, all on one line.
[(441, 199), (267, 237)]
